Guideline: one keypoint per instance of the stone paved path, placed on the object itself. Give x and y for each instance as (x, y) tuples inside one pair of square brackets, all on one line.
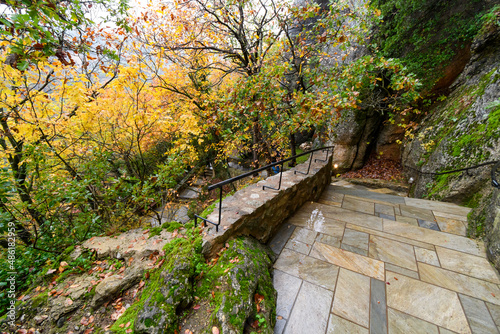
[(365, 261)]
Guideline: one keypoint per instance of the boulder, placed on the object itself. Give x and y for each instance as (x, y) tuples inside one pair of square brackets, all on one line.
[(249, 283), (172, 292), (114, 284)]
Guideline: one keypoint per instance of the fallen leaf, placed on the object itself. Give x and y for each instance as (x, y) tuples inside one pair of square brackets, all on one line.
[(396, 278), (279, 317), (196, 307), (68, 302), (91, 319), (128, 330), (84, 321), (128, 324), (258, 298), (187, 331), (215, 330), (51, 271), (122, 325), (255, 324)]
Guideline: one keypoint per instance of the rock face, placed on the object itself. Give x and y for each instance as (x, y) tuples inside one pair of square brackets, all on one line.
[(463, 131), (114, 284), (174, 293), (354, 136), (249, 283), (493, 235), (256, 212)]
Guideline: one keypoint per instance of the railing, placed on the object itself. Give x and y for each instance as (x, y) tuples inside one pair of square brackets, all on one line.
[(253, 172), (494, 172)]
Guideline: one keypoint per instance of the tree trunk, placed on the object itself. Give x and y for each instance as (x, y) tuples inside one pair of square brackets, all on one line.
[(293, 150)]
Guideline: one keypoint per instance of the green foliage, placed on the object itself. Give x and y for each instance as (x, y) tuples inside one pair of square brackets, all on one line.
[(37, 29), (426, 34), (169, 226)]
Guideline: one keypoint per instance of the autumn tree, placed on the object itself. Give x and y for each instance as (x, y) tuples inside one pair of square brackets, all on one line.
[(34, 30), (220, 39)]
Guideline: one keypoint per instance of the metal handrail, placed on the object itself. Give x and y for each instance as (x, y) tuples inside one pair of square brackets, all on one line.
[(242, 176), (494, 181)]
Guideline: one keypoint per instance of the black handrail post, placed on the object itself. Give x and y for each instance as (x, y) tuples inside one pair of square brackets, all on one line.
[(326, 158), (494, 170), (220, 209), (308, 168), (279, 184)]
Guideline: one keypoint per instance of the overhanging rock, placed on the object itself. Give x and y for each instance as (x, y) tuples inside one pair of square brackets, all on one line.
[(255, 212)]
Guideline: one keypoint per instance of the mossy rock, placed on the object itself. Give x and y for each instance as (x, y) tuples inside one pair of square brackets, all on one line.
[(250, 284), (170, 291)]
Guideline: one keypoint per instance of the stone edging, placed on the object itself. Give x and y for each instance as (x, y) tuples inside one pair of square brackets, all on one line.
[(259, 213)]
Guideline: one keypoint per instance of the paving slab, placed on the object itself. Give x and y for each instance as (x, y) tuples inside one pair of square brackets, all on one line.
[(345, 259), (478, 315), (338, 325), (495, 313), (392, 237), (355, 238), (450, 215), (446, 240), (298, 246), (382, 264), (308, 268), (467, 264), (452, 226), (287, 287), (464, 284), (354, 204), (432, 225), (411, 296), (343, 215), (378, 307), (352, 297), (401, 323), (400, 270), (427, 256), (437, 206), (418, 213), (391, 251), (280, 239), (311, 311), (353, 249), (366, 194), (408, 220)]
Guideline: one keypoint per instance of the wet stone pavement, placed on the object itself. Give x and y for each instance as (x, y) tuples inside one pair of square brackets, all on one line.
[(366, 261)]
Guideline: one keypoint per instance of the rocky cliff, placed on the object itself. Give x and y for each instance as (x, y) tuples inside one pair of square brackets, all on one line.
[(461, 131), (433, 38)]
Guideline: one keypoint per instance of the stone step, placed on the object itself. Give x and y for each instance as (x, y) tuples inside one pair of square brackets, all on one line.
[(439, 216), (363, 261)]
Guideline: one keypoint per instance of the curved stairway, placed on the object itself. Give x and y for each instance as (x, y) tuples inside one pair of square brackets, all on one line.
[(367, 261)]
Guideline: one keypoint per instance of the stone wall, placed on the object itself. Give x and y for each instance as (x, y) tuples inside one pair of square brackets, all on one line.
[(255, 212)]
